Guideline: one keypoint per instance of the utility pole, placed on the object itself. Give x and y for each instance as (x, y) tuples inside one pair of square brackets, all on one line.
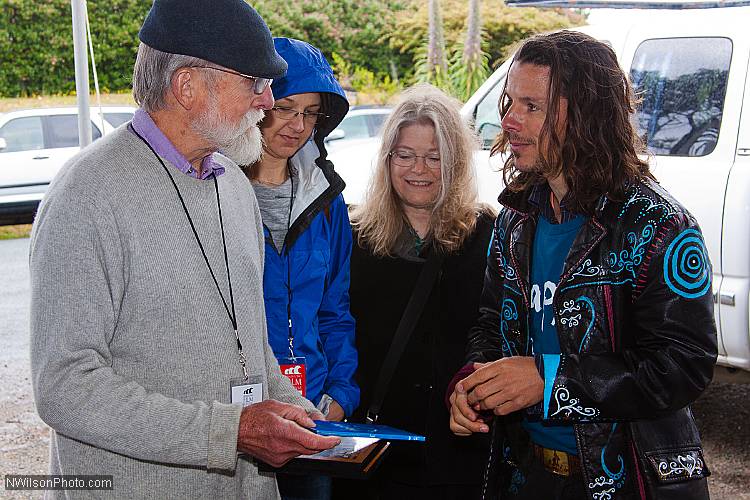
[(82, 71)]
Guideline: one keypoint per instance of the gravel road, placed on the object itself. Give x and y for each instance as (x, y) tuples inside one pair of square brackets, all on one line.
[(723, 413)]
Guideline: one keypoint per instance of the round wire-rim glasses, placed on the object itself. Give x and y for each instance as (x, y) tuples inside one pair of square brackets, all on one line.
[(408, 159)]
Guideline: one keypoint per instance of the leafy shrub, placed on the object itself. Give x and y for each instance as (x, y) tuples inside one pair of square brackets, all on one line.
[(36, 45)]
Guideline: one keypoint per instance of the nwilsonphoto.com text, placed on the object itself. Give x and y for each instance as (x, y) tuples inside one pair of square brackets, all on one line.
[(57, 482)]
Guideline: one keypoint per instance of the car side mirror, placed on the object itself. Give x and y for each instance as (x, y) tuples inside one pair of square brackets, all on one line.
[(335, 135), (3, 143)]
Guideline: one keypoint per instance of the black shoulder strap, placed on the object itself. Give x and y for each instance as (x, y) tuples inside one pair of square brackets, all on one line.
[(404, 330)]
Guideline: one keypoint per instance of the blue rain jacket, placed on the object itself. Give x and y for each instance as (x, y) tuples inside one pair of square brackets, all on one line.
[(314, 260)]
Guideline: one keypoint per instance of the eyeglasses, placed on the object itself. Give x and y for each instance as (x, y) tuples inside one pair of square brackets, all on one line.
[(290, 114), (259, 84), (407, 159)]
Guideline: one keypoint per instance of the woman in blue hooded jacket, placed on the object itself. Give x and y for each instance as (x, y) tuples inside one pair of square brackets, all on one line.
[(308, 241)]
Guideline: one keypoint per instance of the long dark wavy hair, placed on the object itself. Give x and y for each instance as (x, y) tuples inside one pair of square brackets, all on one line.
[(599, 152)]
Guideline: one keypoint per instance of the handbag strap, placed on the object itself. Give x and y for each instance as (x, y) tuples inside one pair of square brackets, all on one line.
[(406, 326)]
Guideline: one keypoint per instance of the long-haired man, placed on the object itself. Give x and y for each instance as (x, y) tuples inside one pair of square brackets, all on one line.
[(596, 329)]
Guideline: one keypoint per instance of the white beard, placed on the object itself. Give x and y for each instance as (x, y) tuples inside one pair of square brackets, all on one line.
[(247, 148), (242, 143)]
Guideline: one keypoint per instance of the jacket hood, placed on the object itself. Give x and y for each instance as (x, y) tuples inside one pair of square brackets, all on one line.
[(309, 71)]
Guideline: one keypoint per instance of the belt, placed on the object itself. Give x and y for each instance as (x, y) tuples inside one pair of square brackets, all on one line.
[(557, 462)]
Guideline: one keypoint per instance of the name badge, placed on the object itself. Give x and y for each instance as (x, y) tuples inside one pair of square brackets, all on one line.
[(246, 392), (294, 370)]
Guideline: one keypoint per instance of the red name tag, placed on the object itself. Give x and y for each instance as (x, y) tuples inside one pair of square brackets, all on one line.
[(294, 370)]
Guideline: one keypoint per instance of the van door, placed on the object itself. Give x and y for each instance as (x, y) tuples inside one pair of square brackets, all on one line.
[(691, 78), (735, 286)]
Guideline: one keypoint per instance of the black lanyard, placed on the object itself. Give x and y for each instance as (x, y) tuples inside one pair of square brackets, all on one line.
[(289, 266), (232, 315)]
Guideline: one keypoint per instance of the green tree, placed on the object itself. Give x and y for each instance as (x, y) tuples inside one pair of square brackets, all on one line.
[(469, 68), (357, 30), (502, 26), (36, 45)]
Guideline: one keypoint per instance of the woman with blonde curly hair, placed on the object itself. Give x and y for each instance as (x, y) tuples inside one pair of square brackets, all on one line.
[(421, 211)]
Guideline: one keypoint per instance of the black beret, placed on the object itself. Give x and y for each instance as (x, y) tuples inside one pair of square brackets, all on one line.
[(229, 33)]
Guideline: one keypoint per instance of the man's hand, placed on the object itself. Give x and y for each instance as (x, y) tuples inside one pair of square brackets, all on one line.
[(274, 432), (464, 421), (504, 386)]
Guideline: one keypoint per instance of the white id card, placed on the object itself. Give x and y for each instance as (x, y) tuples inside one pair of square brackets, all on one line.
[(246, 392)]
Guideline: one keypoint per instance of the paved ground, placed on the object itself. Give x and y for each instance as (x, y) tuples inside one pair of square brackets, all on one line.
[(723, 412)]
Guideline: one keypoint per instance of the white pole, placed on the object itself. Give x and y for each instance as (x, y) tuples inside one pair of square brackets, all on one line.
[(82, 71)]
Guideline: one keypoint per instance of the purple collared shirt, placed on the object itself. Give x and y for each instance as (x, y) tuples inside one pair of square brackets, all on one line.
[(145, 126)]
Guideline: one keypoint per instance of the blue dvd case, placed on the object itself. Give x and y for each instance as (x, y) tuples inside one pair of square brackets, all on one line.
[(350, 429)]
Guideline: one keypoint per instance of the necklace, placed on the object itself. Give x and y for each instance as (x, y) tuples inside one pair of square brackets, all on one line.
[(270, 183)]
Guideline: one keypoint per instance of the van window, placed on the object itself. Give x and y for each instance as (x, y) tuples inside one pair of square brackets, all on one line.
[(682, 82), (355, 127), (63, 131), (376, 122), (23, 134), (487, 121)]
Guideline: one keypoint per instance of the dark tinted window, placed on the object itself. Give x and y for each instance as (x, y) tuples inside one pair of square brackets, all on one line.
[(682, 82), (63, 131), (117, 119), (23, 134)]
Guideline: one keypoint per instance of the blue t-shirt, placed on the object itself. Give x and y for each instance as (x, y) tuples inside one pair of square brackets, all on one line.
[(551, 245)]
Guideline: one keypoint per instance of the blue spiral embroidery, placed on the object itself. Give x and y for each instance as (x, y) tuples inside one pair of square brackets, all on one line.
[(686, 265), (509, 313)]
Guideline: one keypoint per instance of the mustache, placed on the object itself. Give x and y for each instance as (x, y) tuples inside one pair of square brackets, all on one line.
[(251, 119), (514, 137)]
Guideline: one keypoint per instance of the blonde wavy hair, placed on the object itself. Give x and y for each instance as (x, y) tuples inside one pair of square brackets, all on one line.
[(380, 219)]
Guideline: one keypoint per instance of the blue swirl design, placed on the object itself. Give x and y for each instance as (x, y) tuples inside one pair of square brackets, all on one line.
[(615, 476), (509, 313), (502, 262), (629, 258), (686, 265), (590, 304)]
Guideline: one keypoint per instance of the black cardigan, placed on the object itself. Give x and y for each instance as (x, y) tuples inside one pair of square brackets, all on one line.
[(379, 291)]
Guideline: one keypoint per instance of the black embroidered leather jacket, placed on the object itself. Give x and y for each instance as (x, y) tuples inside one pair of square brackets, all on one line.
[(634, 315)]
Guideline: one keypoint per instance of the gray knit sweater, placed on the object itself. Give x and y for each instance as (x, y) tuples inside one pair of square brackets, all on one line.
[(131, 348)]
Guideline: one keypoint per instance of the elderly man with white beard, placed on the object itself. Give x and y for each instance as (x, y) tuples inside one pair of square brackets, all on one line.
[(150, 357)]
